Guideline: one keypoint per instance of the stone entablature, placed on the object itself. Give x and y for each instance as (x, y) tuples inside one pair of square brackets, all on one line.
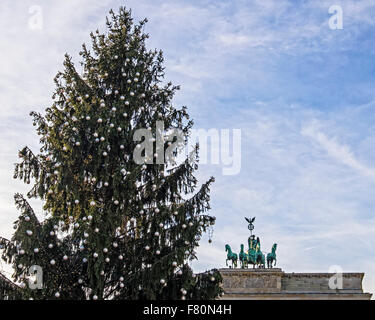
[(276, 284)]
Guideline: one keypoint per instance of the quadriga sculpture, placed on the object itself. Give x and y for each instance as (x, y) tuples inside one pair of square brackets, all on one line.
[(254, 255)]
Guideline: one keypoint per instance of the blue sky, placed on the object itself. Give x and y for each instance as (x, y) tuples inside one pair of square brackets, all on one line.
[(302, 94)]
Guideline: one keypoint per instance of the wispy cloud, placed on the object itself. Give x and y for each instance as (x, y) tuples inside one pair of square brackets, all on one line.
[(340, 152)]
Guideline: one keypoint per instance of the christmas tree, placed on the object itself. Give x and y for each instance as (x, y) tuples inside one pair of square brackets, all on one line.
[(122, 216)]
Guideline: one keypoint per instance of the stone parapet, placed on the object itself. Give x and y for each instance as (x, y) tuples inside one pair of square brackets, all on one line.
[(276, 284)]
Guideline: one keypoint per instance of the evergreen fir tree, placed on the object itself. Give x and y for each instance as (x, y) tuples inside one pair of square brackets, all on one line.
[(114, 228)]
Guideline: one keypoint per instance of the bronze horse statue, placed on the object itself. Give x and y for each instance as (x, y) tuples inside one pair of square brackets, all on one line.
[(271, 257), (231, 256)]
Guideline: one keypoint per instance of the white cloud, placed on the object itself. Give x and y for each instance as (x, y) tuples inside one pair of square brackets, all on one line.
[(340, 152)]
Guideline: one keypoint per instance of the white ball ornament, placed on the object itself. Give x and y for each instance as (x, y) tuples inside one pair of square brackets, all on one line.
[(27, 218), (122, 98), (120, 257), (22, 251), (76, 201), (115, 244), (95, 255), (106, 184), (157, 234), (184, 226), (105, 154), (100, 120), (65, 258), (29, 232), (162, 281), (107, 260), (174, 264), (95, 297), (88, 118), (92, 203), (137, 74), (52, 262), (84, 260), (157, 252), (105, 250), (147, 248), (36, 250), (78, 143), (121, 285), (57, 295), (50, 246), (96, 230), (116, 202)]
